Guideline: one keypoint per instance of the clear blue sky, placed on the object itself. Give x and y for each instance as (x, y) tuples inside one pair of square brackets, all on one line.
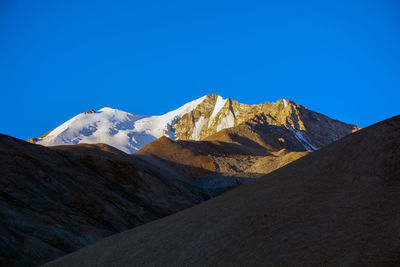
[(60, 58)]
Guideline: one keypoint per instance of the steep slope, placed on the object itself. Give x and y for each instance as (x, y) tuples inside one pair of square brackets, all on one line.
[(193, 159), (198, 120), (337, 206), (270, 163), (54, 201)]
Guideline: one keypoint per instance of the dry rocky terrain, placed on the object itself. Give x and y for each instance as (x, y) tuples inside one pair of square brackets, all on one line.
[(338, 206), (56, 200)]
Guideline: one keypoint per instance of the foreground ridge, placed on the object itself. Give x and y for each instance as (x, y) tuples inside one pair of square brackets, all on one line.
[(59, 199)]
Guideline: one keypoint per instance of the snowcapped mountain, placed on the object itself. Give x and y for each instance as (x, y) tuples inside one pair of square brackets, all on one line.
[(123, 130), (196, 120)]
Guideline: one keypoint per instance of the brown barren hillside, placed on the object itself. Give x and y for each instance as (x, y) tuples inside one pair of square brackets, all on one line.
[(235, 150), (337, 206), (193, 159), (56, 200)]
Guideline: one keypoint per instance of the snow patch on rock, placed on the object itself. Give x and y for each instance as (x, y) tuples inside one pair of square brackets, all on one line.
[(220, 103), (198, 126), (303, 140), (285, 102), (226, 122)]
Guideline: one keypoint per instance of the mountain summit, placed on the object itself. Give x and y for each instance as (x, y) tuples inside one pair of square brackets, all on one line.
[(294, 126)]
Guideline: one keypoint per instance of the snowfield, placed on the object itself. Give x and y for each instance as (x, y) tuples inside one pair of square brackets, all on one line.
[(123, 130)]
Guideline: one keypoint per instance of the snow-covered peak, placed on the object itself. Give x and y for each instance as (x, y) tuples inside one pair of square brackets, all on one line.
[(106, 108), (123, 130)]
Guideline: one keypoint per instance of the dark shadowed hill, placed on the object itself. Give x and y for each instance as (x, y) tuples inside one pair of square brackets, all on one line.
[(337, 206), (56, 200)]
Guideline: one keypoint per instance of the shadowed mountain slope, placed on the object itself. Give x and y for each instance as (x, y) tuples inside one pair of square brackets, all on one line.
[(337, 206), (56, 200)]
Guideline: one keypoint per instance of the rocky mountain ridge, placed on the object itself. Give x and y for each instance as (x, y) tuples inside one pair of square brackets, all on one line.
[(261, 139), (198, 120)]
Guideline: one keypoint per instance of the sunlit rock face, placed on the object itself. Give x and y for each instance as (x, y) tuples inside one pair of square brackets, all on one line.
[(310, 130)]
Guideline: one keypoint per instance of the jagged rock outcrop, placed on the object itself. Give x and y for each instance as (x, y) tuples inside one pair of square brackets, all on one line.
[(311, 130)]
